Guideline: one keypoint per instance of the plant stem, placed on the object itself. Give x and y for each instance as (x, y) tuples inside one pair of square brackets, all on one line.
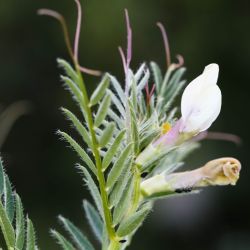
[(136, 196), (100, 175), (114, 245)]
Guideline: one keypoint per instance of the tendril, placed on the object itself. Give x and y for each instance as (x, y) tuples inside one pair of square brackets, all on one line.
[(73, 54), (166, 43)]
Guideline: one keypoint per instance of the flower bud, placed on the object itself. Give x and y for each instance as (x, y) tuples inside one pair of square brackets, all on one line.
[(222, 171)]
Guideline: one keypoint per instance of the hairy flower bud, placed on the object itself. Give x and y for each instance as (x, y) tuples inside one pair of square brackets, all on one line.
[(222, 171)]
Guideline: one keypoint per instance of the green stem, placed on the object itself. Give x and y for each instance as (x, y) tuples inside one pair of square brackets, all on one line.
[(114, 245), (136, 196), (100, 175)]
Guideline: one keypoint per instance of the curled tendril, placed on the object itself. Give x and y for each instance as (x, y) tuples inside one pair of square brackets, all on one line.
[(73, 54), (180, 61)]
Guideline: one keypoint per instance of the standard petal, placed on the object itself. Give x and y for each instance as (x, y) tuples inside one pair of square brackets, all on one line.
[(204, 112), (211, 73), (201, 101), (196, 88)]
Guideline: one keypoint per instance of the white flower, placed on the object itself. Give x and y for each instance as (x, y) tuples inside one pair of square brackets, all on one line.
[(200, 106), (201, 101)]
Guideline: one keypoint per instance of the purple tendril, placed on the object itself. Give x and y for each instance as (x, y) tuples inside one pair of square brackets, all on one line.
[(180, 61), (129, 39), (123, 58), (166, 43), (150, 93), (218, 136)]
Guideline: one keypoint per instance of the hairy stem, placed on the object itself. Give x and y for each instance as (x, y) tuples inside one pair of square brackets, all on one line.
[(100, 175), (114, 245), (136, 197)]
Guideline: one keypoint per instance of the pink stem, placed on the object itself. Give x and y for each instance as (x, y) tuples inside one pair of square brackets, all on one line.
[(90, 71), (166, 43), (218, 136), (129, 39), (147, 94), (152, 90), (74, 55), (180, 61), (225, 137), (78, 29), (49, 12), (123, 59)]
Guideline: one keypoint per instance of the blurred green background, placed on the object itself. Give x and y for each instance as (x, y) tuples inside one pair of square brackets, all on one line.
[(41, 167)]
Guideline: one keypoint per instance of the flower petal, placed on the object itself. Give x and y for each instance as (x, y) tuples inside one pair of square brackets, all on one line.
[(201, 101)]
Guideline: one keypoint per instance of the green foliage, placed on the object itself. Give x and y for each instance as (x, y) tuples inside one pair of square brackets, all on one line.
[(93, 190), (121, 125), (8, 199), (174, 158), (20, 224), (117, 103), (94, 220), (7, 229), (80, 241), (70, 72), (118, 167), (30, 238), (157, 75), (121, 184), (103, 110), (118, 89), (113, 149), (18, 232), (123, 203), (65, 244), (107, 134), (81, 152), (100, 91), (82, 131), (114, 133), (73, 88), (133, 222)]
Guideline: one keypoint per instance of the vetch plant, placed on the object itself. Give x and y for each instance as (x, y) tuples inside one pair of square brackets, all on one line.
[(133, 142), (17, 230)]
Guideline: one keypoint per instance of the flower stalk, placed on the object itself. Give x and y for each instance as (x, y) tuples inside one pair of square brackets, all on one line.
[(101, 179)]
